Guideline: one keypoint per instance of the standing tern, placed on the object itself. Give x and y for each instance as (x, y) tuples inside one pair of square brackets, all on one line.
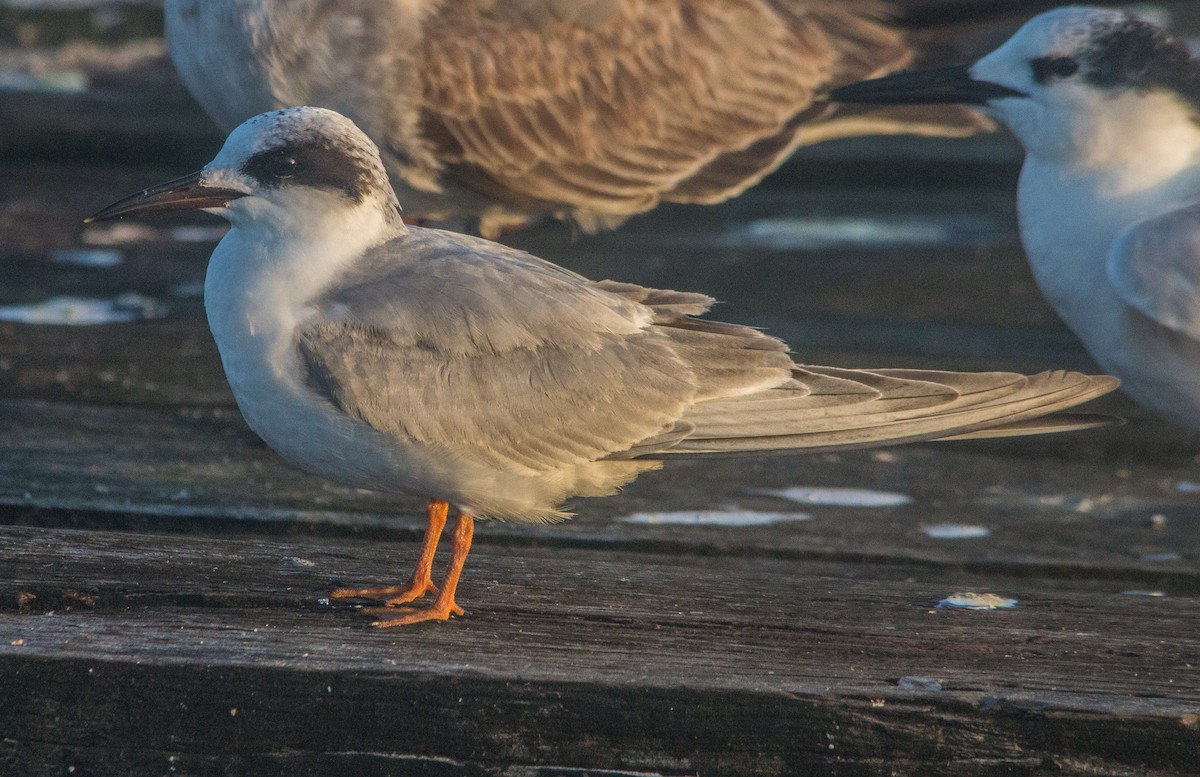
[(1107, 107), (415, 360), (497, 112)]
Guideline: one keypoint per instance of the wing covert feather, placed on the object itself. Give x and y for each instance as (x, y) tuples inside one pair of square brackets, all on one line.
[(448, 340), (611, 113), (528, 411), (455, 294), (1154, 264)]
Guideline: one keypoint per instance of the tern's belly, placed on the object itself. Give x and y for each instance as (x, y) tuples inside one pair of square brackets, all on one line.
[(314, 435), (1158, 367)]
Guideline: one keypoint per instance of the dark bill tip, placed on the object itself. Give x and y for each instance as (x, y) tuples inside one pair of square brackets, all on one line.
[(924, 87), (187, 193)]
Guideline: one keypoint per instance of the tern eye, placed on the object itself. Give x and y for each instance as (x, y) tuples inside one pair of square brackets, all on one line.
[(282, 166), (1046, 69), (271, 167)]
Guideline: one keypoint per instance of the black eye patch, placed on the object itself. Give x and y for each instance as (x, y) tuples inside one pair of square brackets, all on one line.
[(269, 168), (1047, 69), (318, 165)]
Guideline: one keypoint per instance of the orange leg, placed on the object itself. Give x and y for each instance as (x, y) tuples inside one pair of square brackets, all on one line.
[(444, 606), (421, 582)]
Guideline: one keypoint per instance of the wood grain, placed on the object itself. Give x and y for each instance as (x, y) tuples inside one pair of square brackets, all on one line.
[(729, 664)]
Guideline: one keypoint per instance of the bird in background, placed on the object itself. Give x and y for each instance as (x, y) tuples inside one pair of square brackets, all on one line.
[(404, 359), (492, 113), (1107, 107)]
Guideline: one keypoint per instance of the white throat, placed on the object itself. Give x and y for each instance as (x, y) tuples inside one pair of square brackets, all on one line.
[(1136, 156), (265, 272), (1131, 143), (1109, 161)]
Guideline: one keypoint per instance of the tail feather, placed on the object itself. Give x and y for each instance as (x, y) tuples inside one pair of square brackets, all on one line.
[(859, 408), (874, 397), (1053, 424)]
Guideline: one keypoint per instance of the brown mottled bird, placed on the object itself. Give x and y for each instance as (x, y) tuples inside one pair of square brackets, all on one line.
[(498, 111)]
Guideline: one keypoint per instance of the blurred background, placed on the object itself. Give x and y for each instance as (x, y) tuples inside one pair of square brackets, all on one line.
[(894, 251)]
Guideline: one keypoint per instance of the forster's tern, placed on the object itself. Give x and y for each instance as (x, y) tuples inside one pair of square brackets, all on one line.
[(1108, 109), (591, 109), (405, 359)]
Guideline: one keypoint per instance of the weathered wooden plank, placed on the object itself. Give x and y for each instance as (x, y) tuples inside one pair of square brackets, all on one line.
[(469, 725), (157, 718), (1077, 507), (717, 665), (90, 100)]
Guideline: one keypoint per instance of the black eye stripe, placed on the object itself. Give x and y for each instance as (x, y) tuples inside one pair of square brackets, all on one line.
[(318, 165), (1046, 69), (271, 167)]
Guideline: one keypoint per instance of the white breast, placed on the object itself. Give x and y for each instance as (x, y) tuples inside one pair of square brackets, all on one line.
[(257, 293), (1068, 223)]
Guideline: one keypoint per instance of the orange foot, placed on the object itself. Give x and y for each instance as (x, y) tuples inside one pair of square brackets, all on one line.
[(391, 595), (406, 615), (421, 582), (444, 606)]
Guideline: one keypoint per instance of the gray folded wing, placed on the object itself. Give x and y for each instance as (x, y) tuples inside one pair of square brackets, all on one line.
[(494, 355), (1154, 264), (514, 362)]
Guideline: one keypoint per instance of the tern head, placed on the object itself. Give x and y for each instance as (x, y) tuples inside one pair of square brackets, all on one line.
[(296, 169), (1072, 83)]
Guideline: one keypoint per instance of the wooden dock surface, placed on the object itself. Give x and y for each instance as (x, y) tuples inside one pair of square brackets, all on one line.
[(164, 576)]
